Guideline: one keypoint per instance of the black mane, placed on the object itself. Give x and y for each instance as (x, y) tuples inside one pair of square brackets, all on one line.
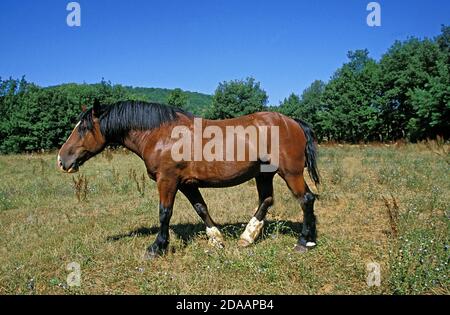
[(118, 119)]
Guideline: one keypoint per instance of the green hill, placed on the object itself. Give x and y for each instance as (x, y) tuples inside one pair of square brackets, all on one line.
[(197, 102)]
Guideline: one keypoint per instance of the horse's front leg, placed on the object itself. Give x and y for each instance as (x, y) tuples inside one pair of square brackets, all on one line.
[(167, 191), (196, 199)]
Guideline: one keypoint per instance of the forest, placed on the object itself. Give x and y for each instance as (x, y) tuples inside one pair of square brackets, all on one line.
[(404, 95)]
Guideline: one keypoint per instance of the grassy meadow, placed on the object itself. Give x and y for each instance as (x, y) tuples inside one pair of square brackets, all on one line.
[(384, 204)]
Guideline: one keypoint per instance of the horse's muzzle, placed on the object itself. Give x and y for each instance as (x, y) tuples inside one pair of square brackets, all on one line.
[(73, 168)]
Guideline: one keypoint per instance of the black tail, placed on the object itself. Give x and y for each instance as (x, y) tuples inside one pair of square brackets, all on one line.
[(310, 151)]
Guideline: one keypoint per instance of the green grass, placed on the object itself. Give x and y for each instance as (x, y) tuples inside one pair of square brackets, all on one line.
[(44, 227)]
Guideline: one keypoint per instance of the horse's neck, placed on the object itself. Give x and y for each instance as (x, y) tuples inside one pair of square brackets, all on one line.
[(135, 141)]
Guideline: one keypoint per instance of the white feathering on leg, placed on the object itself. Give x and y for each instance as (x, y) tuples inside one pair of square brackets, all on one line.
[(215, 237), (252, 230)]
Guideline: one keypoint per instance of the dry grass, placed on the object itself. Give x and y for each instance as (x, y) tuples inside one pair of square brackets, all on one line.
[(105, 224)]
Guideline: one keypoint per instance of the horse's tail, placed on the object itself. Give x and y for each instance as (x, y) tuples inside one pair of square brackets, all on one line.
[(310, 151)]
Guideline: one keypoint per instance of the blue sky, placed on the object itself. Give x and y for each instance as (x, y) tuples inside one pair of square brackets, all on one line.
[(195, 44)]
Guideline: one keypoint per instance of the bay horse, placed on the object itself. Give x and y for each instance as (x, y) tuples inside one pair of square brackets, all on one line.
[(147, 129)]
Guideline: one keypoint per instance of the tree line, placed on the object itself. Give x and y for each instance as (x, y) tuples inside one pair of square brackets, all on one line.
[(33, 118), (404, 95)]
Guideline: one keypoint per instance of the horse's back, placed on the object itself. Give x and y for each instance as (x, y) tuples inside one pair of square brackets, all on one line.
[(290, 136), (269, 119)]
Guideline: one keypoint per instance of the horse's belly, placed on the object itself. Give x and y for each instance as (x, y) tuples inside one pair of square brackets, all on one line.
[(226, 175)]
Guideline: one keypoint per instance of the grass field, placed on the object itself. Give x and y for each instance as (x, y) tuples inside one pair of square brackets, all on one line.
[(384, 204)]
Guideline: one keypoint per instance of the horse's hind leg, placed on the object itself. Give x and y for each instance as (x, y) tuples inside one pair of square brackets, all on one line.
[(195, 198), (264, 183), (306, 198)]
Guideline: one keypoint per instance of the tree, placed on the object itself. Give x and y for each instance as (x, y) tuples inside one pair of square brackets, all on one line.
[(237, 98), (177, 98), (306, 106), (413, 77), (443, 40), (34, 118), (348, 112), (289, 106), (311, 103), (431, 102)]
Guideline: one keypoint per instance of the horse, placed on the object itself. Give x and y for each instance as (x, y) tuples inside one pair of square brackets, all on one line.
[(153, 131)]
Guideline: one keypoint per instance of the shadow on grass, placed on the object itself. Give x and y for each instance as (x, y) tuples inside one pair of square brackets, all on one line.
[(189, 231)]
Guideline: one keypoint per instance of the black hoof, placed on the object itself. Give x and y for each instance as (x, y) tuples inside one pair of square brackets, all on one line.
[(153, 252)]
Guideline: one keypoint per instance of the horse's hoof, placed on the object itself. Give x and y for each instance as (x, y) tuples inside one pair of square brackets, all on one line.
[(151, 255), (244, 243), (215, 237), (300, 248)]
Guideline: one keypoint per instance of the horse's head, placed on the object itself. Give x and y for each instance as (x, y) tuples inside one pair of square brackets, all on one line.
[(85, 141)]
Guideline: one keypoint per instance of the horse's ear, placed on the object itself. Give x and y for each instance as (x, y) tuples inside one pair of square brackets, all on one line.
[(97, 109), (83, 108)]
